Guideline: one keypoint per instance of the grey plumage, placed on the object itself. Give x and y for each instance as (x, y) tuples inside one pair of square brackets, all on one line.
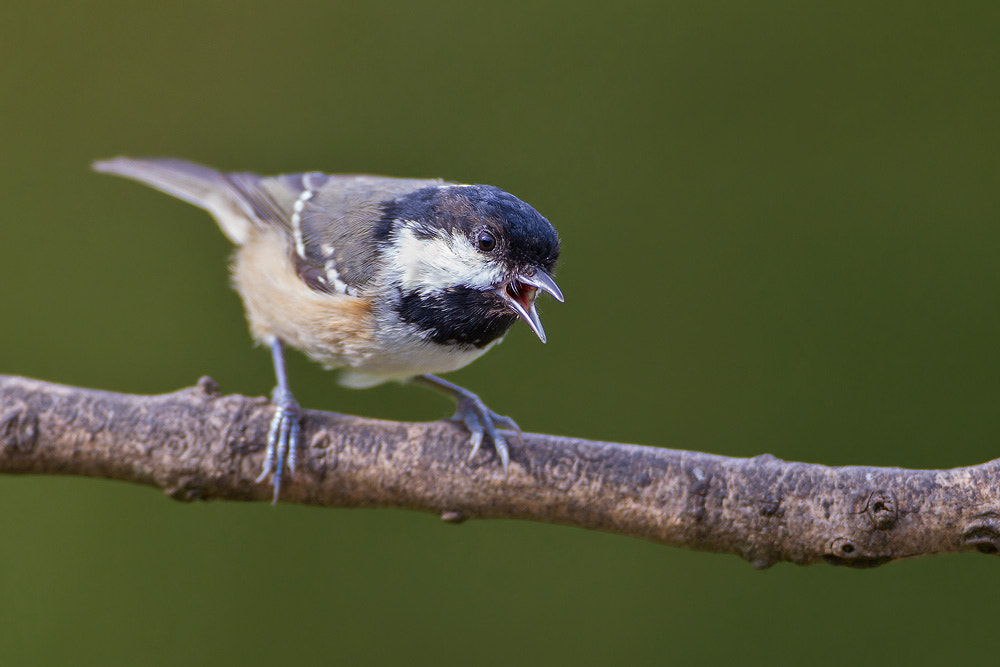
[(337, 223)]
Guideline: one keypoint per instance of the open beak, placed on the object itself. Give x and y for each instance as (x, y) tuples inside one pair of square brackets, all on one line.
[(520, 291)]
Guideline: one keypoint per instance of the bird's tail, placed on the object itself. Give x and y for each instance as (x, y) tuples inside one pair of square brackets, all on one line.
[(196, 184)]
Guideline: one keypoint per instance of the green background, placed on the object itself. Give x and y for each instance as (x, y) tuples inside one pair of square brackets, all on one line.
[(780, 235)]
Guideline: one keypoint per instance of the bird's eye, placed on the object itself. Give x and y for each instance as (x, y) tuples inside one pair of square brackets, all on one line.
[(486, 241)]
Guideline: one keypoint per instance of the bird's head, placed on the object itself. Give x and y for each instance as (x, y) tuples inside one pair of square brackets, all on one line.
[(469, 260)]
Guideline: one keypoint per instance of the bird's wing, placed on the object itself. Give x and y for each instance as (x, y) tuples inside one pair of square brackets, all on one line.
[(335, 222)]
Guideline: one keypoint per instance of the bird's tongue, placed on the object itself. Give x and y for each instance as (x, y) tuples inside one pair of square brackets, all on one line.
[(523, 294), (521, 298)]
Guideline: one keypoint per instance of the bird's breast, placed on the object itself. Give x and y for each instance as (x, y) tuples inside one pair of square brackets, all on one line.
[(458, 316)]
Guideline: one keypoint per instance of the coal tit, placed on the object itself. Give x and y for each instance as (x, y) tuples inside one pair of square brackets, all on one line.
[(382, 278)]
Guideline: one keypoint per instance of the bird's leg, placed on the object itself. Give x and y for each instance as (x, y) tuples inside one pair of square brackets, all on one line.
[(479, 419), (286, 428)]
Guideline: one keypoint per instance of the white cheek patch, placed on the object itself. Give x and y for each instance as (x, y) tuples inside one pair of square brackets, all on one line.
[(432, 264)]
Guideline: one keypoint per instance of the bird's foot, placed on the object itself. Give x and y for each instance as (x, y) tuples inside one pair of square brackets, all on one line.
[(483, 423), (282, 439)]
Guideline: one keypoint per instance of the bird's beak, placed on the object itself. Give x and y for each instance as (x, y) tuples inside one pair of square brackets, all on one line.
[(520, 291)]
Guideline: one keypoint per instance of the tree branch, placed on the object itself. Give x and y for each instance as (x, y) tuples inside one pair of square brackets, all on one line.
[(199, 445)]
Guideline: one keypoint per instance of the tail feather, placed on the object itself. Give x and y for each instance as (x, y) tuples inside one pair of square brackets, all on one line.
[(190, 182)]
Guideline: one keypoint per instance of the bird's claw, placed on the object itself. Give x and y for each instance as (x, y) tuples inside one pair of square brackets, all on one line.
[(282, 439), (484, 423)]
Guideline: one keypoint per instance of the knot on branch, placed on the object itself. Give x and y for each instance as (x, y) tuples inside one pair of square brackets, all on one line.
[(563, 471), (186, 488), (700, 484), (208, 386), (983, 533), (844, 551), (881, 509), (320, 442)]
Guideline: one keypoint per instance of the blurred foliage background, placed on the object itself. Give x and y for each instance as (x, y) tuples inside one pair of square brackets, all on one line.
[(780, 235)]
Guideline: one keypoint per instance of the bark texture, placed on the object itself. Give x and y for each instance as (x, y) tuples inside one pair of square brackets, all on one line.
[(199, 445)]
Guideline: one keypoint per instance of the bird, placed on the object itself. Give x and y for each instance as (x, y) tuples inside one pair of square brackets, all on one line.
[(382, 279)]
